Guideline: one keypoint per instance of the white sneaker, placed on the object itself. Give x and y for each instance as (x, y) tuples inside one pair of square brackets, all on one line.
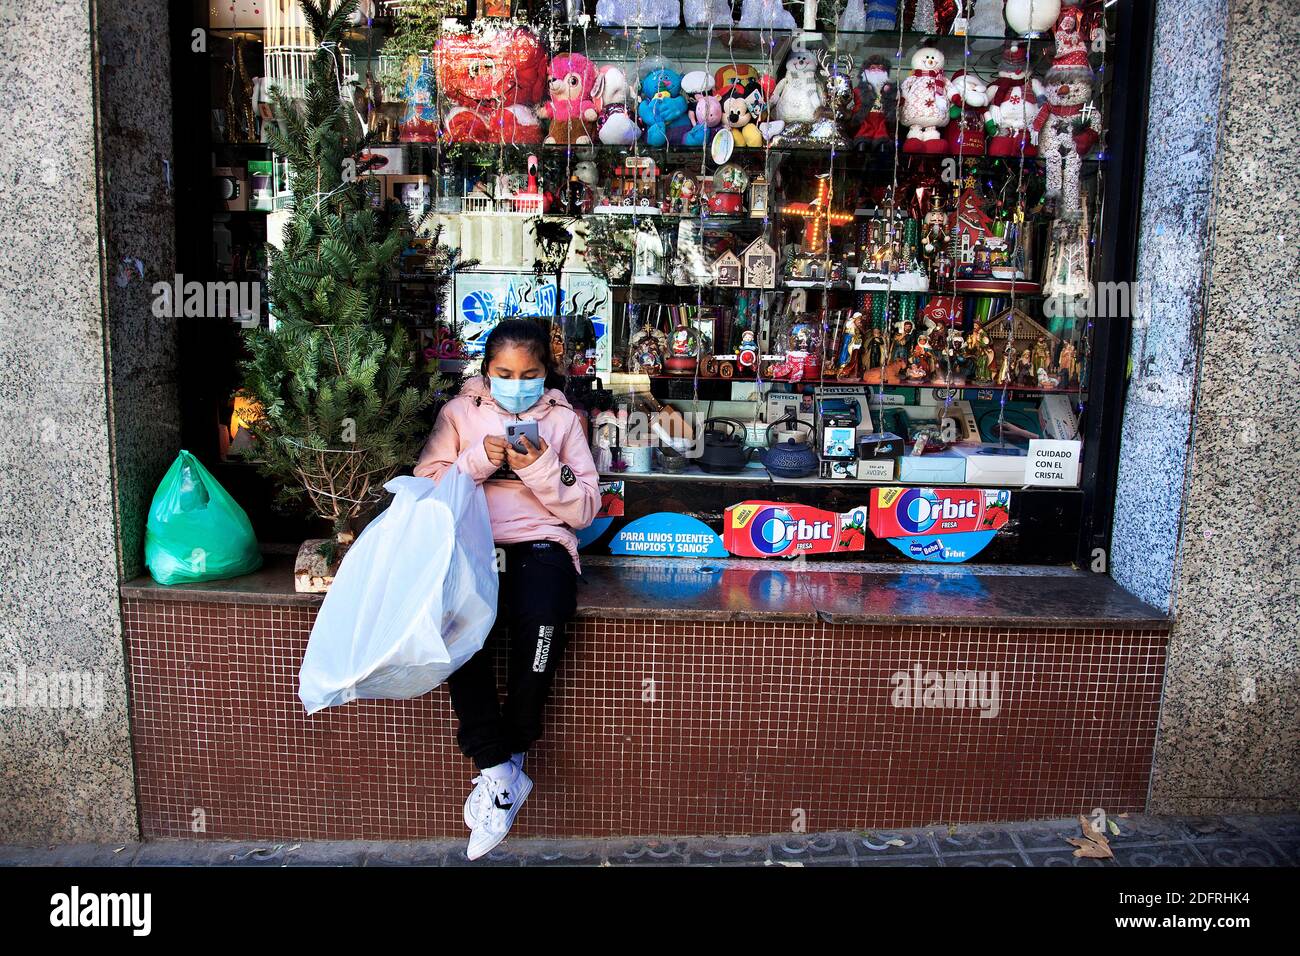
[(506, 799), (479, 800)]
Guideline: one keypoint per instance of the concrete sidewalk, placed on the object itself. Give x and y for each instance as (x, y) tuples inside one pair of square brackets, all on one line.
[(1143, 841)]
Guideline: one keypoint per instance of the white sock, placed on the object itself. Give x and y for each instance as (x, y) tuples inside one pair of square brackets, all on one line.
[(501, 773), (518, 758)]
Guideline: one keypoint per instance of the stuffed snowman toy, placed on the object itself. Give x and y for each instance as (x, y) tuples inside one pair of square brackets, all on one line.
[(924, 107), (1013, 104), (1067, 126), (798, 96)]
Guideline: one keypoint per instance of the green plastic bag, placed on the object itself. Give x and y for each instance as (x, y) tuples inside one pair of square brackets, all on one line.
[(196, 531)]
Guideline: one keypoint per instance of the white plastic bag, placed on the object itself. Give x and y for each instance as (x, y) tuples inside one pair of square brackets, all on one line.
[(413, 599)]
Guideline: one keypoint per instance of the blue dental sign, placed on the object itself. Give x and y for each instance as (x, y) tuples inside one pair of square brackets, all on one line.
[(665, 534), (944, 548)]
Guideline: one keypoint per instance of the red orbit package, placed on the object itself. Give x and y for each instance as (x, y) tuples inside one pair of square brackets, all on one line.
[(494, 79)]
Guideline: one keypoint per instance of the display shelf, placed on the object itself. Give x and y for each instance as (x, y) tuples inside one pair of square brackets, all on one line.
[(816, 382), (860, 160), (763, 477), (692, 473)]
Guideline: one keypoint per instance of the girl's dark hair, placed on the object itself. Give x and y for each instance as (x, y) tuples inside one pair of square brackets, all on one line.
[(527, 334)]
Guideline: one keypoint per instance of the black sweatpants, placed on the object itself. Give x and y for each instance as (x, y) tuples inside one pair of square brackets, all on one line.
[(538, 597)]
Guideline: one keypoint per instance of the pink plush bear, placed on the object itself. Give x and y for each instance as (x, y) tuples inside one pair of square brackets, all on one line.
[(570, 108)]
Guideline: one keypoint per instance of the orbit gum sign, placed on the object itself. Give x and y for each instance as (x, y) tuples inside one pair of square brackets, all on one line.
[(775, 529), (939, 524)]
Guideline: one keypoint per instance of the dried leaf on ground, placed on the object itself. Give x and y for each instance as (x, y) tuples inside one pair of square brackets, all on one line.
[(1093, 844)]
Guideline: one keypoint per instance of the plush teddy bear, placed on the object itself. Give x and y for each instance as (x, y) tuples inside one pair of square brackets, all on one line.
[(616, 126), (707, 118), (799, 95), (969, 95), (638, 13), (571, 109), (925, 102), (494, 79), (663, 108)]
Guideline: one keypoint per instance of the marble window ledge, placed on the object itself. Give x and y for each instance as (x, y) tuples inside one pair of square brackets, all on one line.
[(764, 591)]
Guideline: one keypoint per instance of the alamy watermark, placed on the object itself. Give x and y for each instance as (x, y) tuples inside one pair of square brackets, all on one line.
[(1103, 300), (952, 690), (52, 690), (240, 301)]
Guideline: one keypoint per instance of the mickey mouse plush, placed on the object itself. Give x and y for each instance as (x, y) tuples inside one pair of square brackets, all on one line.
[(738, 118)]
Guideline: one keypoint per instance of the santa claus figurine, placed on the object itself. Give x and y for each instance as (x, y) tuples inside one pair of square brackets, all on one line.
[(925, 102), (876, 97), (1013, 104), (969, 96)]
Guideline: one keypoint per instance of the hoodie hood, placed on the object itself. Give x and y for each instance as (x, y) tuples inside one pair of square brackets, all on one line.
[(479, 391)]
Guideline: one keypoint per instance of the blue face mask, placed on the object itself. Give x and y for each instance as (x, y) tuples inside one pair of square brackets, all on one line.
[(516, 394)]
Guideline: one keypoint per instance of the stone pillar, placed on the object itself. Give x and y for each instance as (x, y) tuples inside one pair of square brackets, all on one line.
[(1207, 523), (90, 408)]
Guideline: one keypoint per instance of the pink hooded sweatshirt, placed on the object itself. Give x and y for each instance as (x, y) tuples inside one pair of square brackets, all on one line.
[(546, 500)]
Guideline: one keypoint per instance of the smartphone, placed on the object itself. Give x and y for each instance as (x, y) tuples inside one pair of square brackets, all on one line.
[(516, 431)]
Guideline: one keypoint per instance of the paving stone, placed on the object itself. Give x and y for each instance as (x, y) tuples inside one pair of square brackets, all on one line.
[(727, 851), (70, 854), (412, 853), (1063, 857), (1243, 853), (563, 853), (1171, 854), (981, 837), (877, 844), (801, 848), (648, 852), (997, 858), (1143, 841)]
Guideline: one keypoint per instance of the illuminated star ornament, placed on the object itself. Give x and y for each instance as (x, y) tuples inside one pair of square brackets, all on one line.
[(818, 216)]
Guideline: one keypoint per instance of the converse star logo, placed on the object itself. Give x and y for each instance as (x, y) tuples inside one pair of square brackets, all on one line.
[(566, 475)]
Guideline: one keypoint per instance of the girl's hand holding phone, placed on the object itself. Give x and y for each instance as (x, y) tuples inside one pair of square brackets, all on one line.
[(519, 460), (496, 447)]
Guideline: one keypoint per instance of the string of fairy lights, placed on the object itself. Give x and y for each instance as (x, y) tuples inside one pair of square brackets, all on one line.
[(880, 310)]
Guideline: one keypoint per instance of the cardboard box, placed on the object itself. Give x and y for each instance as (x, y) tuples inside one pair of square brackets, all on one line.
[(779, 404), (1056, 415), (878, 470), (941, 469), (985, 466), (839, 468), (879, 445), (839, 441), (845, 397)]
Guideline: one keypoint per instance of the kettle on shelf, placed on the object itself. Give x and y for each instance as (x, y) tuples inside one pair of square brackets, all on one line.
[(724, 451), (792, 458)]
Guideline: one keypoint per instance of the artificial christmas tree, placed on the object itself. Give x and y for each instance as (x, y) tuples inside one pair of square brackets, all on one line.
[(341, 388)]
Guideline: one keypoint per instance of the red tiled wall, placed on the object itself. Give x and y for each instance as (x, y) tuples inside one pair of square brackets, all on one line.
[(752, 727)]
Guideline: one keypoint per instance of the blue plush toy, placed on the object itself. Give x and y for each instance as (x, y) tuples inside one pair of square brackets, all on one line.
[(663, 108)]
